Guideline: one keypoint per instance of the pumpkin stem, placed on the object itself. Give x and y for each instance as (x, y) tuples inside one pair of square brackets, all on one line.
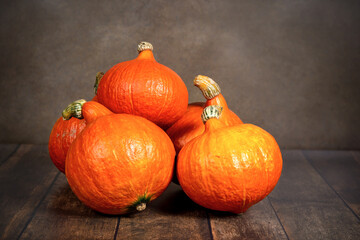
[(208, 87), (144, 46), (212, 111), (141, 207), (99, 76), (73, 110)]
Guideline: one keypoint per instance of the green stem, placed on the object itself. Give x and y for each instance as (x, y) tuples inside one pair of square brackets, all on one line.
[(74, 109), (99, 76)]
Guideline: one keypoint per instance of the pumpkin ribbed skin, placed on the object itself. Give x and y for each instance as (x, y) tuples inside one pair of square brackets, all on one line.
[(62, 135), (145, 88), (229, 168), (187, 127), (190, 125), (92, 110), (227, 117), (64, 132), (119, 161)]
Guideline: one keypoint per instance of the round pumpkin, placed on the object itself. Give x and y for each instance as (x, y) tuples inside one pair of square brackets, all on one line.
[(119, 163), (66, 130), (229, 168), (190, 125), (145, 88)]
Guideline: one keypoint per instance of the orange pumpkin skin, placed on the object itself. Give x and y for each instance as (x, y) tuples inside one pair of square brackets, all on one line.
[(118, 162), (145, 88), (228, 117), (95, 99), (62, 135), (187, 127), (190, 125), (64, 132), (92, 110), (229, 168)]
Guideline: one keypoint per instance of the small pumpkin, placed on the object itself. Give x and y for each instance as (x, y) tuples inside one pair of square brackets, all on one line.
[(145, 88), (62, 135), (190, 125), (66, 130), (229, 168), (119, 163)]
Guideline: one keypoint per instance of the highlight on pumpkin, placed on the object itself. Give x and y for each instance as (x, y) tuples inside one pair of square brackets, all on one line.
[(208, 87), (212, 111), (73, 110), (99, 76)]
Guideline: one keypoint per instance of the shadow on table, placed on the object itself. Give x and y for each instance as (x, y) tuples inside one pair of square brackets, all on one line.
[(173, 201), (63, 201)]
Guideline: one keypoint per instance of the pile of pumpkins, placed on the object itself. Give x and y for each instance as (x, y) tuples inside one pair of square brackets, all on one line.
[(122, 149)]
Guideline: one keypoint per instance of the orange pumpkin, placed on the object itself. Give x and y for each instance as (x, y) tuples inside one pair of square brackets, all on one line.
[(145, 88), (190, 125), (62, 135), (229, 168), (65, 131), (119, 163)]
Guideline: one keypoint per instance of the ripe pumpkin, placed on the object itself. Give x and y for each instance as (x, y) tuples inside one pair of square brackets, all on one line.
[(62, 135), (229, 168), (145, 88), (65, 131), (190, 125), (119, 162)]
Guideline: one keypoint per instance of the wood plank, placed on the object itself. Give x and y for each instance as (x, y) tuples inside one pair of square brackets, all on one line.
[(62, 216), (307, 207), (259, 222), (356, 155), (24, 181), (6, 151), (341, 171), (172, 216)]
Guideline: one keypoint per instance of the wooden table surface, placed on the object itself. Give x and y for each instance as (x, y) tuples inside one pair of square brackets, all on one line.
[(317, 197)]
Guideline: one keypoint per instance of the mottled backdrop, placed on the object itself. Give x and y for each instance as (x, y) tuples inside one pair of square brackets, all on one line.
[(291, 67)]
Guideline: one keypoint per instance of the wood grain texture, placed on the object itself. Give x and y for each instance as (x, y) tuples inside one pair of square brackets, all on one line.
[(307, 207), (6, 151), (259, 222), (24, 180), (62, 216), (172, 216), (317, 197), (341, 171)]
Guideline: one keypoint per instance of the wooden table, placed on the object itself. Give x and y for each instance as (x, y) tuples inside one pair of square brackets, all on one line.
[(317, 197)]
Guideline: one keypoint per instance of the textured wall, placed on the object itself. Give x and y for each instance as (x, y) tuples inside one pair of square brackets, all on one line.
[(291, 67)]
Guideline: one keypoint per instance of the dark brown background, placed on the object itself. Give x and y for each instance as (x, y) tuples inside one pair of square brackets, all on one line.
[(291, 67)]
